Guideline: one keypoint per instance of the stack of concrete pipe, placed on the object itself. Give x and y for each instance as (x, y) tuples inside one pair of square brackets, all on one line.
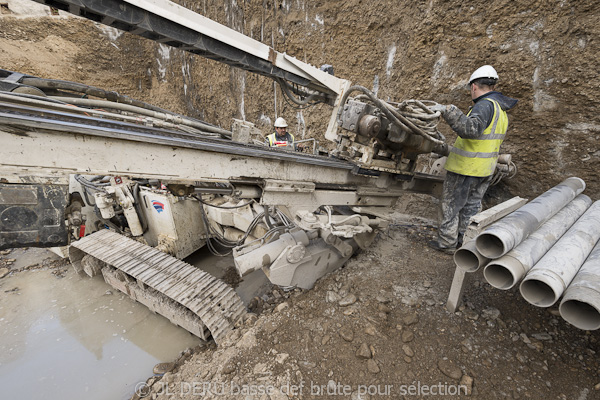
[(552, 246)]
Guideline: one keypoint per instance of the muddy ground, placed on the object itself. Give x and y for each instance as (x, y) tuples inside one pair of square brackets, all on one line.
[(378, 328), (396, 335)]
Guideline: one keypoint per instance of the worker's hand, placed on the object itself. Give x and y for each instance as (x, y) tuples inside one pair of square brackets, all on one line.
[(442, 108)]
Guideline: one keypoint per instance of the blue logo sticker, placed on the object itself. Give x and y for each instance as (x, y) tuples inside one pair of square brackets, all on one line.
[(158, 206)]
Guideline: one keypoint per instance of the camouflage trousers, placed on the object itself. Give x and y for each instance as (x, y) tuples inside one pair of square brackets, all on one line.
[(461, 199)]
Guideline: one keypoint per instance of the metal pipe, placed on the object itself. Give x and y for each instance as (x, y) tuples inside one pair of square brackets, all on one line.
[(549, 278), (580, 305), (506, 271), (468, 258), (504, 235)]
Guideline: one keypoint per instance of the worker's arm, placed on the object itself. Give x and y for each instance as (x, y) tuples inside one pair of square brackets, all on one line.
[(470, 126)]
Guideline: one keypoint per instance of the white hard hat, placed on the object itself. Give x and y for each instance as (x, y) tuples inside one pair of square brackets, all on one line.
[(487, 71), (280, 123)]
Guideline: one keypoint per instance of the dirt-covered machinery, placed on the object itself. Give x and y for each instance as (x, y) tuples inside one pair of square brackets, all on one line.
[(134, 189)]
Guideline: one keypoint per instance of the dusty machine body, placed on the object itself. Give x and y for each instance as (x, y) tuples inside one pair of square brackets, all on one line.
[(133, 189)]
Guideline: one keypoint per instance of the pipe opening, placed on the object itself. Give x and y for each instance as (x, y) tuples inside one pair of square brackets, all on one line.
[(580, 314), (466, 259), (499, 276), (490, 245), (538, 293)]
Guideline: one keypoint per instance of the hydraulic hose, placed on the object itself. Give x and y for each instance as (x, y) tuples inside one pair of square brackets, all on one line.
[(391, 113), (173, 118)]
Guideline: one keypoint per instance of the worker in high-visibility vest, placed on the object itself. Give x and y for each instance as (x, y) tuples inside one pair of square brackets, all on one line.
[(280, 138), (472, 160)]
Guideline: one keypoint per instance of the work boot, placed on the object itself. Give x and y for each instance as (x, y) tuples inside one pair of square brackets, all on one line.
[(434, 244)]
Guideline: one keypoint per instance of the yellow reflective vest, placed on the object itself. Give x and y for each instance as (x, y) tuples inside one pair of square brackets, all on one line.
[(273, 142), (477, 157)]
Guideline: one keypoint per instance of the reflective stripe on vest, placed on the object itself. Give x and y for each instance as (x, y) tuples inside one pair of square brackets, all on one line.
[(477, 157), (279, 143)]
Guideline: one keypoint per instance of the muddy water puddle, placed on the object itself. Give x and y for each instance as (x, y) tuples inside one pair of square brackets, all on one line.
[(75, 337)]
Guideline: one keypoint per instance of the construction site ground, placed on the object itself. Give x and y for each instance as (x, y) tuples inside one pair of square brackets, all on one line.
[(379, 328)]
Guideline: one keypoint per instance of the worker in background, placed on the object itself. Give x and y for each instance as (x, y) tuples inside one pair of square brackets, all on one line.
[(472, 160), (281, 138)]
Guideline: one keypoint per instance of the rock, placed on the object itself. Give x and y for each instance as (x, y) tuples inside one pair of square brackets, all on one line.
[(410, 319), (108, 293), (383, 299), (247, 341), (348, 300), (332, 297), (384, 309), (407, 359), (370, 330), (163, 368), (364, 352), (5, 252), (349, 311), (597, 386), (308, 364), (410, 301), (260, 368), (281, 357), (539, 346), (467, 381), (470, 314), (407, 350), (541, 336), (282, 306), (325, 340), (4, 272), (525, 338), (250, 319), (467, 346), (347, 334), (490, 313), (427, 284), (407, 336), (228, 368), (372, 366), (450, 369)]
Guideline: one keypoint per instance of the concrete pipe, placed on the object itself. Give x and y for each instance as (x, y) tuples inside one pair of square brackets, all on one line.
[(506, 271), (549, 278), (504, 235), (580, 305), (468, 258)]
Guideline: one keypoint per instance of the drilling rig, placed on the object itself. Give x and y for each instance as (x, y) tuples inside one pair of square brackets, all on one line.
[(133, 189)]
